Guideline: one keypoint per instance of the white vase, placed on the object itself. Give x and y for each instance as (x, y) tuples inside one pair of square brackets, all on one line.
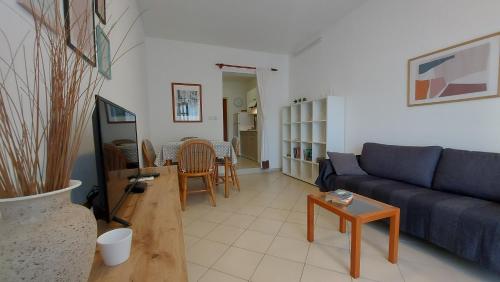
[(45, 237)]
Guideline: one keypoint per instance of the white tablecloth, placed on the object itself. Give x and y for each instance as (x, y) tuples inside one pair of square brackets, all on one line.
[(169, 151)]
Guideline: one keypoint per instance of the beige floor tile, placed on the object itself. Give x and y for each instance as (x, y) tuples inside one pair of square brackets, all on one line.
[(268, 226), (225, 234), (205, 252), (216, 276), (329, 221), (275, 214), (297, 217), (331, 258), (331, 238), (216, 216), (238, 262), (195, 271), (293, 230), (252, 210), (379, 269), (283, 204), (199, 228), (239, 220), (189, 240), (254, 241), (273, 269), (288, 248), (316, 274)]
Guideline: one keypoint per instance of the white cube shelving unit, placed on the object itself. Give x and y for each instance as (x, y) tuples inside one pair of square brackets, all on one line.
[(313, 125)]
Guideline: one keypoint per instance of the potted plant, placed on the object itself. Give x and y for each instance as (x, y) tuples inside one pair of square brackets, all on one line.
[(46, 100)]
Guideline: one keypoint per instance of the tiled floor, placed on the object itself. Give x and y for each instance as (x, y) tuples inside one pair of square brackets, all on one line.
[(247, 163), (259, 234)]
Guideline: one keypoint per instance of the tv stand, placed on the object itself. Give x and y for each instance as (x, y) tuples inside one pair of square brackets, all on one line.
[(121, 221)]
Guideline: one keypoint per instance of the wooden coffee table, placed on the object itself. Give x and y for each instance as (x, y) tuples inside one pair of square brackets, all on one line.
[(361, 210)]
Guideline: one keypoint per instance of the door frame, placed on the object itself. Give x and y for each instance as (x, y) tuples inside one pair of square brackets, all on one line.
[(224, 118)]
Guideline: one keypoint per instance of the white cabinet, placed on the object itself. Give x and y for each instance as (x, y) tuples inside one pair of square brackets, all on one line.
[(310, 130)]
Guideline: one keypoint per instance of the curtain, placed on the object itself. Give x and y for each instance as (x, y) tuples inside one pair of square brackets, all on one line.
[(263, 105)]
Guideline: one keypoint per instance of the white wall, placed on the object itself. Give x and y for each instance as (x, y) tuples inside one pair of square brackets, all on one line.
[(364, 56), (174, 61), (127, 88)]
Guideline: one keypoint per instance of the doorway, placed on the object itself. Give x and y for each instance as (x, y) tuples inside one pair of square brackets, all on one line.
[(240, 117)]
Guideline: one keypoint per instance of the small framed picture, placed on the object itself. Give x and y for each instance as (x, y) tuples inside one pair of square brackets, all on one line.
[(103, 53), (100, 10), (187, 102)]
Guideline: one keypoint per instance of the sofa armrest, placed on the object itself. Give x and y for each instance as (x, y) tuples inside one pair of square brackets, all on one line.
[(326, 172)]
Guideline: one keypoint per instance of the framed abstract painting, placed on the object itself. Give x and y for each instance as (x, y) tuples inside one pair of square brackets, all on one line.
[(80, 28), (187, 102), (462, 72)]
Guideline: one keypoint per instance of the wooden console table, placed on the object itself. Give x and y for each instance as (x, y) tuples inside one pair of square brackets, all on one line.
[(157, 244)]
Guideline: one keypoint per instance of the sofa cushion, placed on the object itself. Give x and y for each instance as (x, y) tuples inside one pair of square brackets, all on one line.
[(415, 165), (475, 174), (345, 164)]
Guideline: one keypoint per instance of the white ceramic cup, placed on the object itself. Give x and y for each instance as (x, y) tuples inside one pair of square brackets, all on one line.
[(115, 246)]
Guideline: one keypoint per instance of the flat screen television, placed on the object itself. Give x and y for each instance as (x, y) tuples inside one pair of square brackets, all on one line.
[(117, 157)]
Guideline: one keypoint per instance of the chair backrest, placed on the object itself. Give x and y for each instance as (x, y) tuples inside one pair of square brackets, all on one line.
[(148, 153), (114, 159), (196, 156), (236, 145)]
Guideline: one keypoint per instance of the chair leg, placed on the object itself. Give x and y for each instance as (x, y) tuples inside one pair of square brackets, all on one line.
[(235, 177), (210, 190), (184, 192)]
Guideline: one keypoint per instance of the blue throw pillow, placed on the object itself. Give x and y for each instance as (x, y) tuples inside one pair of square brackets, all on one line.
[(345, 164)]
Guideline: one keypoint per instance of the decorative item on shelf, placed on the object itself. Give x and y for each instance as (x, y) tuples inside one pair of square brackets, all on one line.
[(295, 101), (296, 152), (100, 10), (80, 28), (44, 236), (103, 53), (308, 155), (461, 72), (187, 102), (304, 99)]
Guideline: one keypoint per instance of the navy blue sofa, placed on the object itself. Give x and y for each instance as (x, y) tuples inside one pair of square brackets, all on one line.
[(448, 197)]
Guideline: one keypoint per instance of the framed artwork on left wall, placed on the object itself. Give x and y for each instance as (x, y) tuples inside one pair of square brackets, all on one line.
[(100, 10), (47, 11), (187, 102), (80, 28)]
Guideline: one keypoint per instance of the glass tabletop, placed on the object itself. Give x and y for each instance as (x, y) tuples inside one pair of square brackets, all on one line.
[(360, 205)]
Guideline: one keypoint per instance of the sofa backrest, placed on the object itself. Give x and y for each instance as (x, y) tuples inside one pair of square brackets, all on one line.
[(469, 173), (414, 165)]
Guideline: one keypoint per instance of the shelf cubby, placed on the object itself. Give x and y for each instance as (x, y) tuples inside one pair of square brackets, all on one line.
[(316, 125)]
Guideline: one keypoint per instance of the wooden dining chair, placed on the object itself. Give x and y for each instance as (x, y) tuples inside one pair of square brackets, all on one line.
[(230, 175), (196, 159), (149, 154)]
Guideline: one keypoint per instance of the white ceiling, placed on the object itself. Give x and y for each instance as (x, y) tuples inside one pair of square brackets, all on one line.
[(276, 26)]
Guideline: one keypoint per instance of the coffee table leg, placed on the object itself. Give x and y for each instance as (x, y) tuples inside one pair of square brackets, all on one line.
[(355, 248), (394, 238), (310, 219), (341, 224)]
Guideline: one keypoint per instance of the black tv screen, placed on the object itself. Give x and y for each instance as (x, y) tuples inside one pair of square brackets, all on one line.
[(117, 156)]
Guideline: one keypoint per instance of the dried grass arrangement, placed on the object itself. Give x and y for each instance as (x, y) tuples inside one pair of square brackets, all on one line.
[(46, 100)]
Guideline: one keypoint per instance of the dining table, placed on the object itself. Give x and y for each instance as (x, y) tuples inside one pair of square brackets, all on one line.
[(223, 150)]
